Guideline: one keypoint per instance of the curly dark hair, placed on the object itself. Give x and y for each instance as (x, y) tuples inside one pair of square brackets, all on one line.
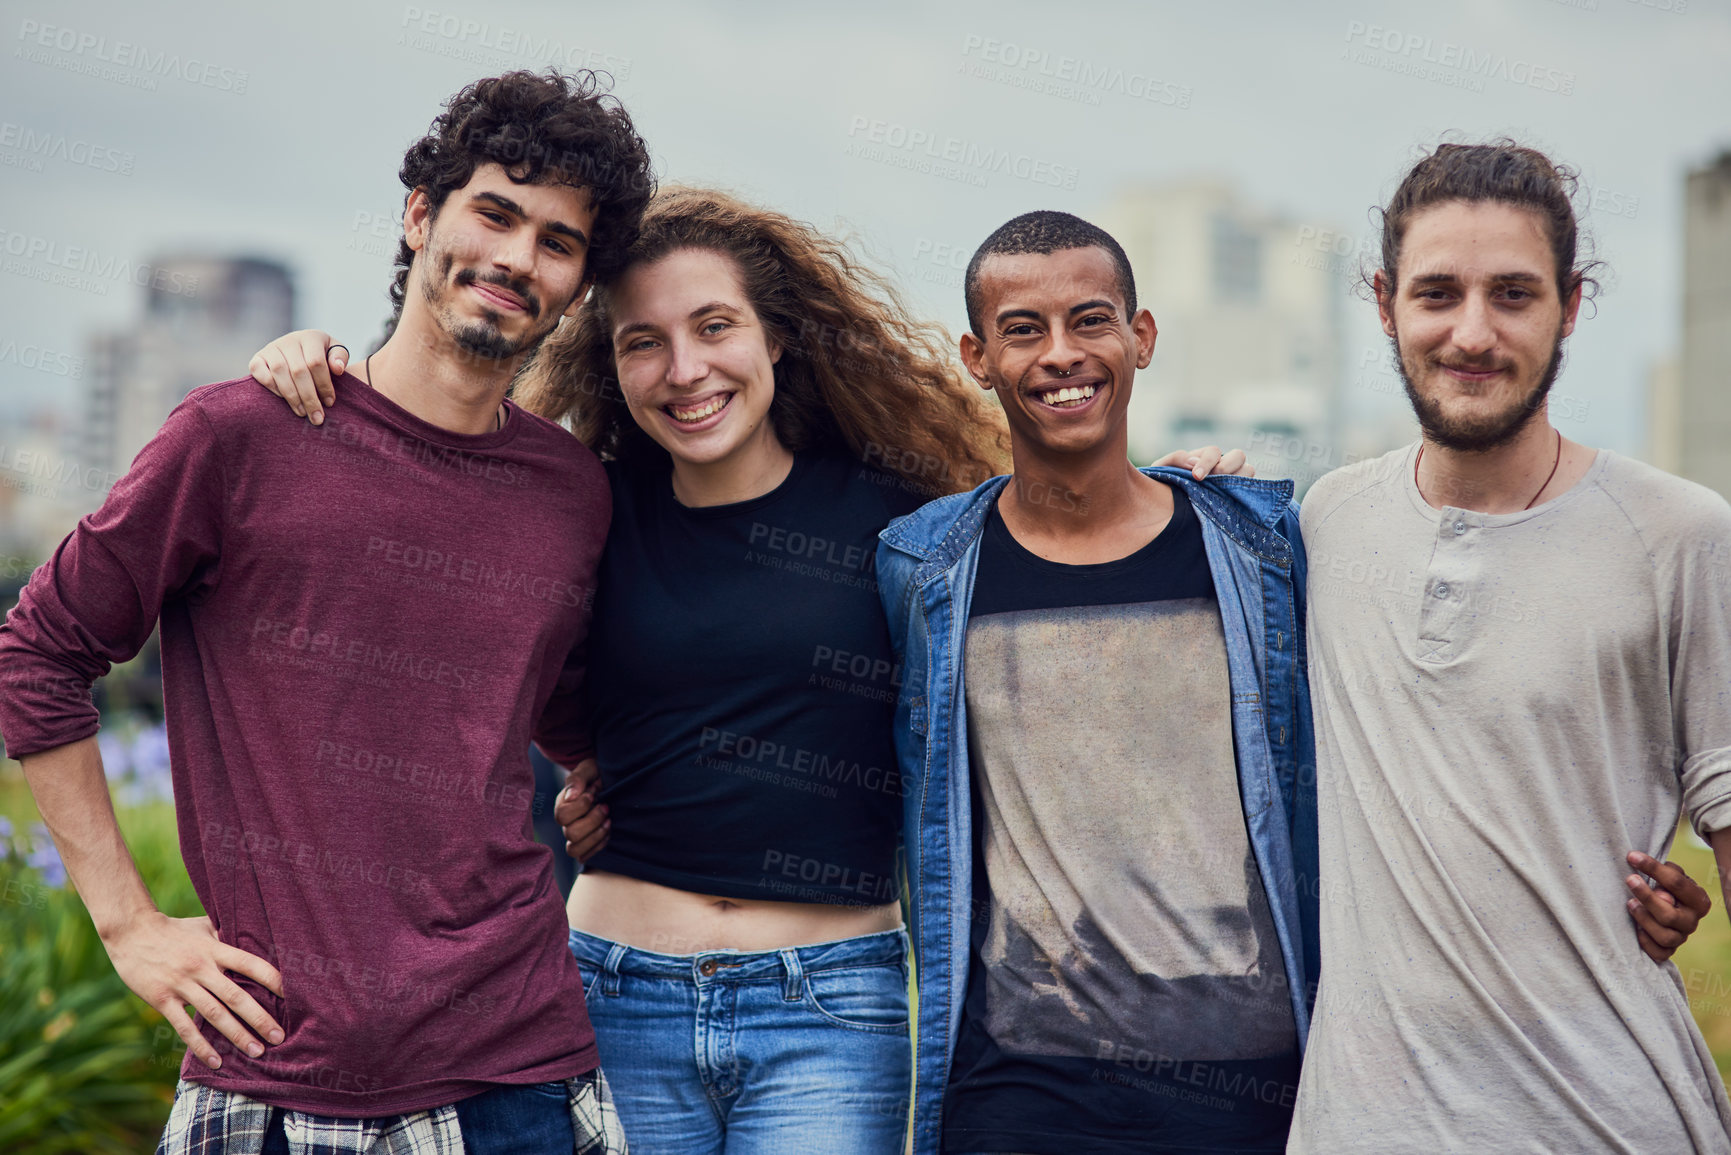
[(552, 129)]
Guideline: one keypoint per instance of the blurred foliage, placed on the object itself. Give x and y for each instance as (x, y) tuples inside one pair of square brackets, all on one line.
[(1705, 960), (87, 1067)]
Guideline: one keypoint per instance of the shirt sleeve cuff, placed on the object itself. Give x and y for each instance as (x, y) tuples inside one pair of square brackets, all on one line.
[(1707, 790)]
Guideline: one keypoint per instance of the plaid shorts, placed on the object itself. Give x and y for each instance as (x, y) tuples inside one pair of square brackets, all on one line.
[(206, 1121)]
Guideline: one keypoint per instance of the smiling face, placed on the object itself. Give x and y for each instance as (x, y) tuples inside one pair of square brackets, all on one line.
[(1477, 321), (500, 262), (1058, 349), (695, 364)]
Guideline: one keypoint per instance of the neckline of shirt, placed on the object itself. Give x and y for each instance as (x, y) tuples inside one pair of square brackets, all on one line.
[(802, 464), (1182, 511), (393, 414), (1480, 520)]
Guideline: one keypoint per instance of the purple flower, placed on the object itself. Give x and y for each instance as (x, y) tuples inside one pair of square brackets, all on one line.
[(150, 779), (116, 760), (45, 857)]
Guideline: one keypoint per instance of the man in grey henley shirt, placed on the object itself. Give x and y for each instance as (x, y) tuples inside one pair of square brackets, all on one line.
[(1521, 663)]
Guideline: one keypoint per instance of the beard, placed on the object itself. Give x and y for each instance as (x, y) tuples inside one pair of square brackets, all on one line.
[(1480, 434), (482, 339)]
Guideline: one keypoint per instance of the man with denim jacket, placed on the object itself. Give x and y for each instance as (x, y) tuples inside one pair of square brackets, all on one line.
[(1103, 718)]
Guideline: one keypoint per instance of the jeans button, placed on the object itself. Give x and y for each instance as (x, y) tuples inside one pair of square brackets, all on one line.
[(707, 967)]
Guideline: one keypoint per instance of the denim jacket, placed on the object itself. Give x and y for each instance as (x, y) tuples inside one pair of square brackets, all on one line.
[(926, 565)]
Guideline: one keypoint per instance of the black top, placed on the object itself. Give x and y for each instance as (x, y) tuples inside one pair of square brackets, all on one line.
[(1125, 986), (743, 687), (1011, 577)]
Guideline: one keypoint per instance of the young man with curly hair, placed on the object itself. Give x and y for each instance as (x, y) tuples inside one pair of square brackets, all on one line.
[(335, 679)]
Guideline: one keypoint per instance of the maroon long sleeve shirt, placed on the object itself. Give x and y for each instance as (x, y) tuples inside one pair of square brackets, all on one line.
[(363, 626)]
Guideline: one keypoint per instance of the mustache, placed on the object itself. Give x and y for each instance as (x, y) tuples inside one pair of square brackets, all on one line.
[(1471, 364), (1037, 380), (518, 288)]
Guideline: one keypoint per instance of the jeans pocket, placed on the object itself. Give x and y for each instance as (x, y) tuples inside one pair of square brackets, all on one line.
[(554, 1090), (589, 974), (867, 998), (588, 967)]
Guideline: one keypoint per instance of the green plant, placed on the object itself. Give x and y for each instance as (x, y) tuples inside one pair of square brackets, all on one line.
[(87, 1067)]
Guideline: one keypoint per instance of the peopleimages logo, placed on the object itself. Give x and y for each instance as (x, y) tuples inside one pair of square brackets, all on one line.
[(89, 269), (59, 146), (1068, 77), (876, 136), (59, 473), (91, 50), (1447, 62), (464, 38), (41, 359)]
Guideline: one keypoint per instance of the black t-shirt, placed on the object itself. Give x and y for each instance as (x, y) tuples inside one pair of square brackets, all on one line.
[(1126, 991), (743, 687)]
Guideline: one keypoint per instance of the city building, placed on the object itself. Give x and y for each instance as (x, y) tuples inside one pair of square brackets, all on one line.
[(40, 491), (1250, 309), (1665, 415), (1702, 411), (204, 318)]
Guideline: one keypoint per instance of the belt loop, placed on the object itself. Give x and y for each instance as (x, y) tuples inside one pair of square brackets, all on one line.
[(794, 988), (610, 971)]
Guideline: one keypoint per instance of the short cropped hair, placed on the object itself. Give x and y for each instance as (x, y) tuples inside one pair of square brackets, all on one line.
[(1041, 233)]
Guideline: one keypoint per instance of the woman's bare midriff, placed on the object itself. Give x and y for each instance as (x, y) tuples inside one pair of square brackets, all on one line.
[(652, 917)]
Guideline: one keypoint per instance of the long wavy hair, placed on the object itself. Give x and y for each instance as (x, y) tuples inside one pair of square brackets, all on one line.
[(856, 373)]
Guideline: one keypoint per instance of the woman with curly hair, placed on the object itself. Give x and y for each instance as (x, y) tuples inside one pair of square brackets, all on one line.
[(765, 407)]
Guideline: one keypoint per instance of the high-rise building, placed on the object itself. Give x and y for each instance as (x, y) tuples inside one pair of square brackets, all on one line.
[(1703, 411), (204, 317), (1249, 307)]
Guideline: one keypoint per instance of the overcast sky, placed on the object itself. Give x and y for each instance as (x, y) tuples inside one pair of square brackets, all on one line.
[(288, 130)]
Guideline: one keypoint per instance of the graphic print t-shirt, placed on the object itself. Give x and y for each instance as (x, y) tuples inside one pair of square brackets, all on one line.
[(1126, 991)]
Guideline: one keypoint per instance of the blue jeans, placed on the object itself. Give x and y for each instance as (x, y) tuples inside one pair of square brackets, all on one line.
[(786, 1052), (533, 1119)]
